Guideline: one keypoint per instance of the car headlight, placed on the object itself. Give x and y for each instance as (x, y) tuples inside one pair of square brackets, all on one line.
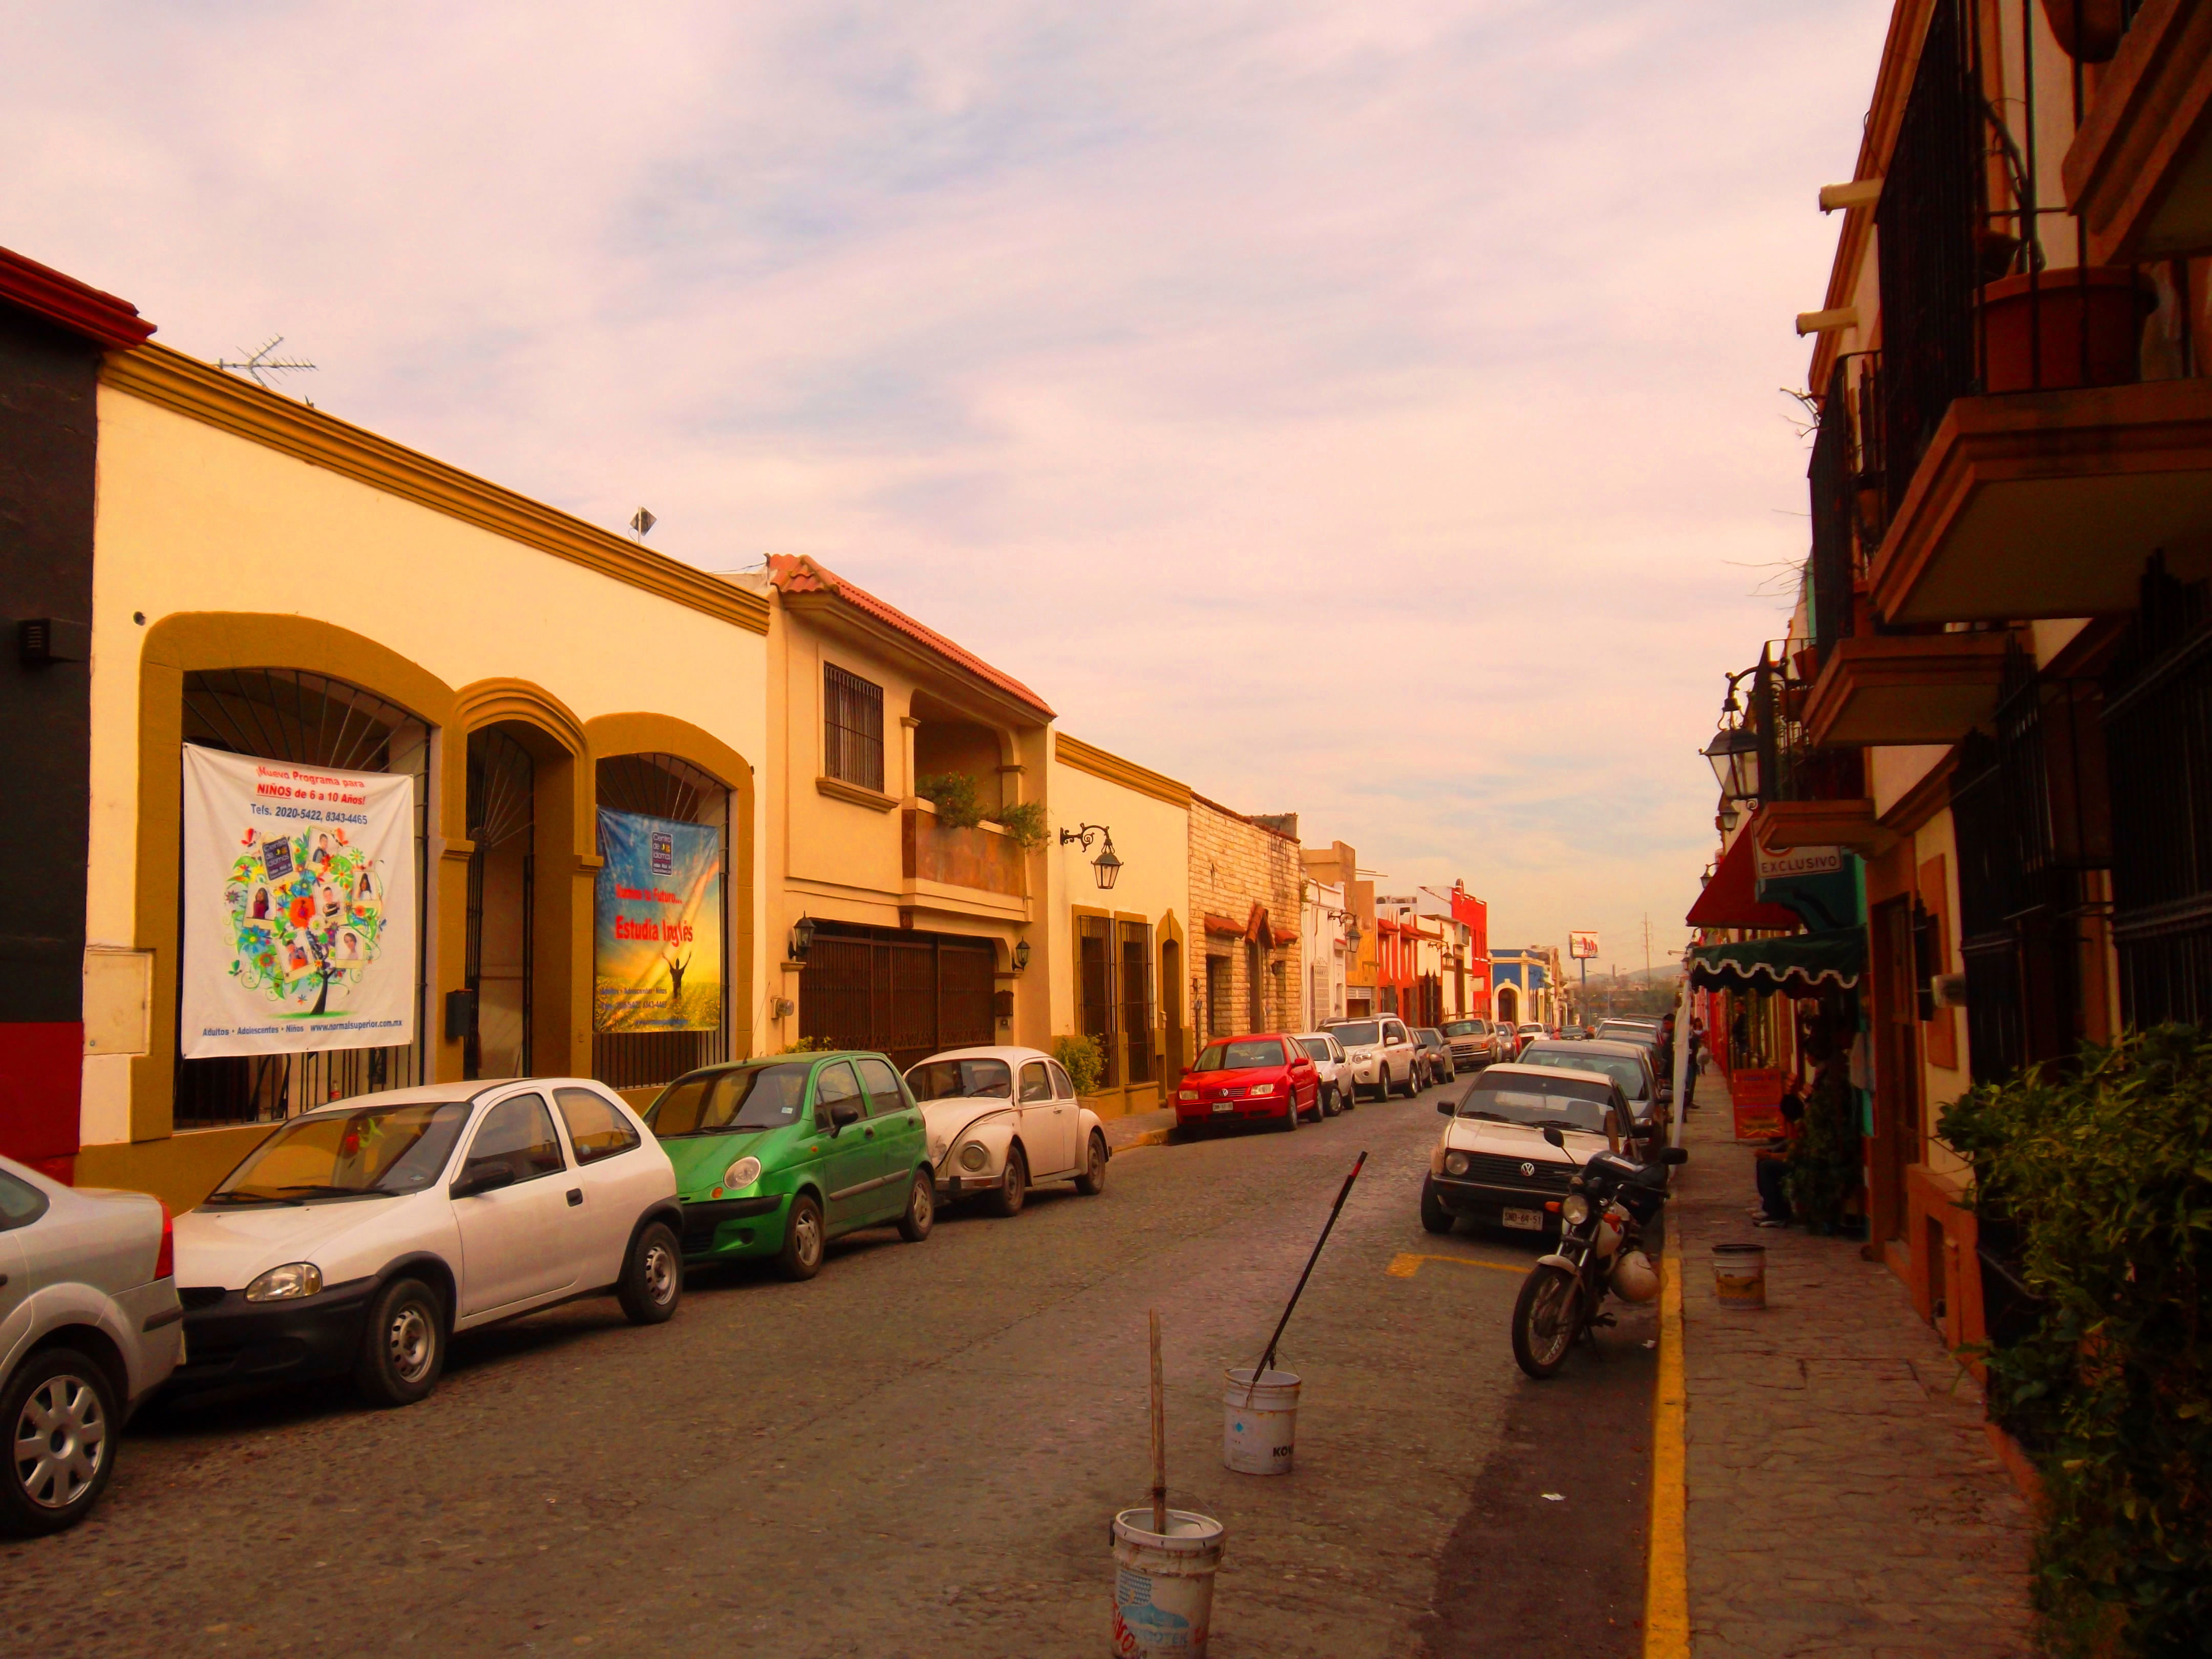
[(1262, 1089), (973, 1156), (1186, 1094), (743, 1173), (282, 1284), (1456, 1164), (1574, 1209)]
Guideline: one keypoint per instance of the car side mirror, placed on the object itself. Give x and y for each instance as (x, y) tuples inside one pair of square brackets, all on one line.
[(488, 1178), (1445, 1107), (842, 1114), (1553, 1135), (1675, 1155)]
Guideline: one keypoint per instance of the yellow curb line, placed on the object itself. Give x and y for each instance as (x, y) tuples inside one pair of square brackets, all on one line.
[(1149, 1138), (1667, 1579), (1406, 1263)]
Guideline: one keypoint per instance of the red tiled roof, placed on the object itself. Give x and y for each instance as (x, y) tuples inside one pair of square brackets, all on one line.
[(75, 306), (800, 574)]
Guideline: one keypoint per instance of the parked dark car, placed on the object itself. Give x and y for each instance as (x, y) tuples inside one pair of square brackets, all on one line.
[(1436, 1055)]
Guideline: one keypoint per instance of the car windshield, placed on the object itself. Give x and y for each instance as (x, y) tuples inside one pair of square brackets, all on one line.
[(962, 1079), (1628, 1073), (1239, 1056), (1317, 1047), (1357, 1032), (374, 1149), (1567, 1103), (725, 1103), (1429, 1039), (1465, 1027)]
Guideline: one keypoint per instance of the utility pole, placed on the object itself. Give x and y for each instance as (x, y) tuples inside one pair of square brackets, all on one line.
[(1647, 950)]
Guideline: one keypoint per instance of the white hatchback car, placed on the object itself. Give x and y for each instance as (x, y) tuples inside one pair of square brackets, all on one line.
[(1337, 1091), (361, 1236), (1000, 1120), (88, 1327)]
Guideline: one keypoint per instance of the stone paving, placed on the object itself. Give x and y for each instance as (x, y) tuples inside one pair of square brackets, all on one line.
[(1844, 1498)]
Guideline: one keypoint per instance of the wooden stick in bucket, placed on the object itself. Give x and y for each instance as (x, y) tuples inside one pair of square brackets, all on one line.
[(1336, 1209), (1159, 1437)]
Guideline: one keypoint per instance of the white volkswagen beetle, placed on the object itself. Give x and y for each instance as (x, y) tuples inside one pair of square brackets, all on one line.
[(361, 1236), (1002, 1120)]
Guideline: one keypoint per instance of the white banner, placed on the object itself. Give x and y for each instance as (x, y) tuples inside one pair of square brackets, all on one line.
[(299, 888)]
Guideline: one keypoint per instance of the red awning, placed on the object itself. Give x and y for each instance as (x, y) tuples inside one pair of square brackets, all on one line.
[(1728, 900)]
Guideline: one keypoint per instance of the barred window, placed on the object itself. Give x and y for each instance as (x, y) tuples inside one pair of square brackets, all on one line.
[(853, 747)]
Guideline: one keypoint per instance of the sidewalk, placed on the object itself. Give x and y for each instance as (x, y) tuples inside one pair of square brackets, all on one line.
[(1843, 1498), (1138, 1128)]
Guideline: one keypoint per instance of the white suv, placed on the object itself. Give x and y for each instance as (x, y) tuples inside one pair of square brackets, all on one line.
[(88, 1327), (1382, 1053), (360, 1237)]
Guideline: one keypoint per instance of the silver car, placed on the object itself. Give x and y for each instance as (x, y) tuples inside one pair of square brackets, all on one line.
[(1337, 1091), (89, 1327)]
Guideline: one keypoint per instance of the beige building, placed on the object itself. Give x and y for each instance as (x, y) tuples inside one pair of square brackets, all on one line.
[(1119, 955), (894, 928), (273, 582), (1246, 884)]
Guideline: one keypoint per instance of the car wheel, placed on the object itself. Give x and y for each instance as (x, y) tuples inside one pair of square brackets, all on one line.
[(1331, 1104), (803, 1238), (653, 1278), (402, 1347), (921, 1213), (1288, 1123), (1014, 1185), (1434, 1216), (59, 1409), (1092, 1181)]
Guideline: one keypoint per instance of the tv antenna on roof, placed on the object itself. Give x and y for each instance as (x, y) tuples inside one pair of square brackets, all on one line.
[(258, 364)]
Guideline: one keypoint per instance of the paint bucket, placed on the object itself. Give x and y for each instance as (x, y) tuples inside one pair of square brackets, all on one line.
[(1259, 1425), (1163, 1583), (1740, 1276)]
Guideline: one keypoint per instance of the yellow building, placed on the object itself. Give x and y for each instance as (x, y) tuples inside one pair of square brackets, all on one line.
[(273, 582)]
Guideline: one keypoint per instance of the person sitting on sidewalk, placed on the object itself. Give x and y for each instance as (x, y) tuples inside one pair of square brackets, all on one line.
[(1771, 1167)]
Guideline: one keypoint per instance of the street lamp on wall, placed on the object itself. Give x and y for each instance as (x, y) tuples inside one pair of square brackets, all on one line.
[(802, 938), (1734, 755), (1021, 955), (1106, 866)]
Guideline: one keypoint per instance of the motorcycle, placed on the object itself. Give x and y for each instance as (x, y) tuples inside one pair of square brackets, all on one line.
[(1601, 1220)]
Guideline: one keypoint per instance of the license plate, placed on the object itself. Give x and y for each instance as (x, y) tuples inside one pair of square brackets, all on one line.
[(1530, 1220), (1225, 1106)]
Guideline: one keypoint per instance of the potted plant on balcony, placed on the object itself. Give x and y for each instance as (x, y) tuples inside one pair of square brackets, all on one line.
[(2088, 31), (2034, 324)]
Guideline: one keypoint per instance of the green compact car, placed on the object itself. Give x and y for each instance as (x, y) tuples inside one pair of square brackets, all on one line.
[(775, 1157)]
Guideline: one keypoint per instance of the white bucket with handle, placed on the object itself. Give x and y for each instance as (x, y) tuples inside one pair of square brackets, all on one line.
[(1260, 1425), (1163, 1583)]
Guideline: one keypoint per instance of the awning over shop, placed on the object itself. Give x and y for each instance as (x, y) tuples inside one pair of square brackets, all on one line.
[(1800, 966), (1730, 899)]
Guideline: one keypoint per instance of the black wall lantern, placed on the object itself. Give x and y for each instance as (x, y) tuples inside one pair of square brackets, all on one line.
[(1106, 866), (1021, 955), (802, 938)]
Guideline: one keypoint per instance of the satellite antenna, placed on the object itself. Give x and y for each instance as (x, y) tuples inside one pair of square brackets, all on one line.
[(643, 520), (259, 364)]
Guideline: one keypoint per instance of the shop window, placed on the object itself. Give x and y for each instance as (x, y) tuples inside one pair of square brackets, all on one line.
[(853, 733), (308, 720), (1136, 1000), (656, 786), (1098, 1015)]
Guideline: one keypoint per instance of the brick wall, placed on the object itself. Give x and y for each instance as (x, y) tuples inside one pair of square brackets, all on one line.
[(1234, 864)]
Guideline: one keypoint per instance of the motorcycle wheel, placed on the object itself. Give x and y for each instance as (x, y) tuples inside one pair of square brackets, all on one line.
[(1547, 1317)]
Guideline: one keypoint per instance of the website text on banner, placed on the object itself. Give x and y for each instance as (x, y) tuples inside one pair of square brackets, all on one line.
[(299, 906), (656, 925)]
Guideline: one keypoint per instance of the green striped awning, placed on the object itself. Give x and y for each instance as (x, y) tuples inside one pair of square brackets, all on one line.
[(1801, 963)]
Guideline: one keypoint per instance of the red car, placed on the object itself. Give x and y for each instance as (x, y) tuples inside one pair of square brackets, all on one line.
[(1266, 1075)]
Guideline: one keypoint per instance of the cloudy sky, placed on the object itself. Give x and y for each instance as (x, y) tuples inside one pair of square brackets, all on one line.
[(1370, 408)]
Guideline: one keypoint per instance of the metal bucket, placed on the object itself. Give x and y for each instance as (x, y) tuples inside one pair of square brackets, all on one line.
[(1259, 1425), (1740, 1276), (1163, 1583)]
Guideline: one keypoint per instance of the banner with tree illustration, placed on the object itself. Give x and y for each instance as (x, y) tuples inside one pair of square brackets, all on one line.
[(656, 935), (298, 889)]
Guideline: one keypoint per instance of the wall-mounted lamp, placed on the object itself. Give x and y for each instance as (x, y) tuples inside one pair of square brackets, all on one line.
[(802, 938), (1733, 754), (1106, 866), (1021, 955), (781, 1008)]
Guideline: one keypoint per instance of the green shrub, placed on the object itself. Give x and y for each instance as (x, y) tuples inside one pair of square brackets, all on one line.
[(1080, 1057), (1024, 822), (2105, 1174), (807, 1046), (957, 797)]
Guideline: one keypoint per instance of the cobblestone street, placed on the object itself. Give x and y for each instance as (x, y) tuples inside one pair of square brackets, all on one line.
[(1842, 1497), (916, 1453)]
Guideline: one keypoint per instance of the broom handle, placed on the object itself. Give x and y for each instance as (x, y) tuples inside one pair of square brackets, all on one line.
[(1269, 1357), (1159, 1438)]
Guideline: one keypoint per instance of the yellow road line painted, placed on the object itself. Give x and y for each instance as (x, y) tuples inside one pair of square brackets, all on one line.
[(1666, 1577), (1149, 1138), (1406, 1263)]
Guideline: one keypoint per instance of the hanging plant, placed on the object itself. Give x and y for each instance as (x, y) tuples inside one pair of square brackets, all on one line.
[(954, 794), (1024, 822)]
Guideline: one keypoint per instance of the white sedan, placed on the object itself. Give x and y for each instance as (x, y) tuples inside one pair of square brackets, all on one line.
[(1000, 1120), (360, 1237), (88, 1327)]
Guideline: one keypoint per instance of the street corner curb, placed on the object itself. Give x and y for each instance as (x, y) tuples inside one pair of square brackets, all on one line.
[(1666, 1580), (1149, 1138)]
